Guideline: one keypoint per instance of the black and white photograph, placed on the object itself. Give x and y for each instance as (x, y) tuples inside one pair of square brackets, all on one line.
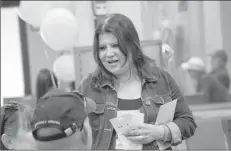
[(115, 75)]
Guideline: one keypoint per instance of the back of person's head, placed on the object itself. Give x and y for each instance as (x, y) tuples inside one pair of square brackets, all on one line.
[(15, 126), (60, 121), (45, 82), (222, 56), (127, 36)]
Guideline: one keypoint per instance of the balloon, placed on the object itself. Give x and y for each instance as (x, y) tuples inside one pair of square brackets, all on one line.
[(59, 29), (33, 12), (64, 69)]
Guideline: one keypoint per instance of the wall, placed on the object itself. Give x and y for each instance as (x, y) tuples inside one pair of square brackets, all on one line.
[(147, 20), (191, 20), (37, 58), (131, 9), (226, 28), (196, 29), (85, 18), (212, 28), (12, 78)]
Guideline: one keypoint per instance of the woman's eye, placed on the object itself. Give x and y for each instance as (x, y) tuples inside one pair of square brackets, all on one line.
[(115, 45), (102, 47)]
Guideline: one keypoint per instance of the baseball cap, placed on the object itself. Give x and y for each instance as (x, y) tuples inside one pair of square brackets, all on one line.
[(63, 110), (220, 54), (194, 63)]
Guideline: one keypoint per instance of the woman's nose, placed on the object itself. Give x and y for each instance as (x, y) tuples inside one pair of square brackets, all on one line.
[(110, 52)]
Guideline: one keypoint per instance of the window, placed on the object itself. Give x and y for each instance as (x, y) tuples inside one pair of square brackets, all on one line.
[(12, 76)]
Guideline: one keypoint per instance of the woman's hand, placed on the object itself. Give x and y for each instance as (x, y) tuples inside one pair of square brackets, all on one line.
[(145, 133)]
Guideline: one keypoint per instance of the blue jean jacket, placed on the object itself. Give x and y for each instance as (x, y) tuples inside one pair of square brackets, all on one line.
[(158, 88)]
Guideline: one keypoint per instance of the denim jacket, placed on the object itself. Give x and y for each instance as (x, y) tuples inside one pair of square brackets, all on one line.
[(158, 88)]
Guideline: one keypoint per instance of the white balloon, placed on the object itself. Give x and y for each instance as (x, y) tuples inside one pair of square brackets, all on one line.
[(59, 29), (33, 12), (64, 69)]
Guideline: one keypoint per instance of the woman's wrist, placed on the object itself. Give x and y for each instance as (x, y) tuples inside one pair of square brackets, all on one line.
[(161, 132), (167, 134)]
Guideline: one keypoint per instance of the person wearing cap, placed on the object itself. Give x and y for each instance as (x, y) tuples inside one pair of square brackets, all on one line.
[(15, 126), (60, 121), (127, 80), (213, 90), (219, 61)]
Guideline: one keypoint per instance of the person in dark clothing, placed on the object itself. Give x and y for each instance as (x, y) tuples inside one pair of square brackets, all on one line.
[(214, 91), (219, 61), (207, 84)]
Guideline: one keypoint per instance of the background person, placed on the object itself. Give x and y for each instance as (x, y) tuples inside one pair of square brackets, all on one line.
[(60, 121), (213, 90), (219, 61), (127, 80), (15, 127)]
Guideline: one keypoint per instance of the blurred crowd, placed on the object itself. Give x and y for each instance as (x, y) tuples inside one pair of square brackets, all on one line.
[(215, 84)]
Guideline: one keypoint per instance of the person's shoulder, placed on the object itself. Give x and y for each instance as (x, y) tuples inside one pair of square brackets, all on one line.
[(210, 80), (159, 72), (152, 66), (86, 81), (224, 73), (151, 69), (221, 71), (207, 78)]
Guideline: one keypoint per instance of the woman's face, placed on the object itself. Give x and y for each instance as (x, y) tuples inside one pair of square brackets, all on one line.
[(111, 56)]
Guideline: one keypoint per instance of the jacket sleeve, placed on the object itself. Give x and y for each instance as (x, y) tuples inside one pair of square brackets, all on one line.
[(183, 125)]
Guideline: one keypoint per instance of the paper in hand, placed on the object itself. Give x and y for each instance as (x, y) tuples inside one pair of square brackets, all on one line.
[(122, 123), (137, 117), (165, 115)]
